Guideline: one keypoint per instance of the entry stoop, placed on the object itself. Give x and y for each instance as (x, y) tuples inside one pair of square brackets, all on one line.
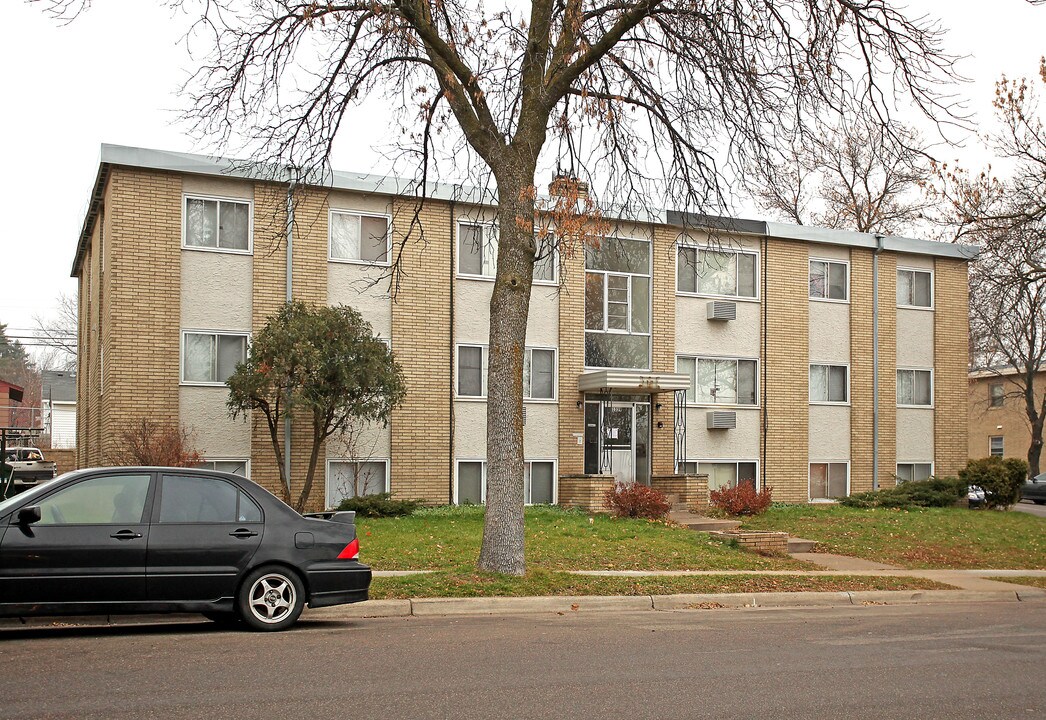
[(701, 523), (799, 545)]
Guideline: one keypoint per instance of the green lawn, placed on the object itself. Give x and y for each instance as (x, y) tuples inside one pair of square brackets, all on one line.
[(921, 538), (448, 539), (537, 581)]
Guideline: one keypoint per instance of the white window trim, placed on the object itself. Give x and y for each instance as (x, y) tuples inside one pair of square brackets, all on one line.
[(202, 331), (1002, 396), (554, 282), (246, 461), (555, 375), (606, 289), (737, 298), (913, 462), (487, 227), (826, 462), (933, 294), (221, 198), (837, 262), (483, 476), (327, 473), (832, 403), (361, 214), (483, 398), (932, 388), (727, 406), (758, 483), (1001, 437)]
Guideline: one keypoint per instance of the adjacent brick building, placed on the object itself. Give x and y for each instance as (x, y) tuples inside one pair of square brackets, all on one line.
[(998, 423), (682, 344)]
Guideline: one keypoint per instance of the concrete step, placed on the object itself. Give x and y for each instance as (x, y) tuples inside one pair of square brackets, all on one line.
[(701, 523), (800, 545)]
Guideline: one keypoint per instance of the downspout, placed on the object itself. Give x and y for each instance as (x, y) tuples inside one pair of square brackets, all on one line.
[(764, 363), (450, 393), (290, 296), (875, 361)]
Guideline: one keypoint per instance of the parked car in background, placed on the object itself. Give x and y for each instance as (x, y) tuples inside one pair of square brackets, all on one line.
[(148, 539), (28, 468), (1035, 489)]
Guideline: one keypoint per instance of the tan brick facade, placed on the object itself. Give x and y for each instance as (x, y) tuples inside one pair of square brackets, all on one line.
[(785, 369), (571, 362), (951, 348), (663, 326), (1008, 420)]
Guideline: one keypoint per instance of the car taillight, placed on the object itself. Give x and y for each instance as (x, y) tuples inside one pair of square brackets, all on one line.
[(351, 551)]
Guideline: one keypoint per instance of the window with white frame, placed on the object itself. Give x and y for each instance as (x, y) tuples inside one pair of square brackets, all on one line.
[(539, 482), (829, 480), (539, 372), (358, 237), (722, 473), (908, 471), (996, 448), (617, 304), (546, 261), (348, 478), (719, 381), (217, 224), (914, 288), (727, 273), (477, 249), (234, 466), (996, 395), (915, 388), (210, 358), (829, 383), (829, 280)]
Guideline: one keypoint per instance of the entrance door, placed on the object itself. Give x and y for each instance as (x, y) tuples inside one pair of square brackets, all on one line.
[(617, 440)]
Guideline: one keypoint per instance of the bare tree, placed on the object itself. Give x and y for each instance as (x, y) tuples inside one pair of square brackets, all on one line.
[(1007, 217), (649, 100), (854, 175), (58, 334)]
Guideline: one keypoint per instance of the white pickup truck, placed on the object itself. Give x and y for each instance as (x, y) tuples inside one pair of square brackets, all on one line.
[(28, 468)]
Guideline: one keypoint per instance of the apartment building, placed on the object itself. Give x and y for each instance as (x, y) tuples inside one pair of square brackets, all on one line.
[(998, 423), (814, 361)]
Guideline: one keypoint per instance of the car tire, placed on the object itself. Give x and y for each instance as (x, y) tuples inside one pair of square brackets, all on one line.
[(270, 598)]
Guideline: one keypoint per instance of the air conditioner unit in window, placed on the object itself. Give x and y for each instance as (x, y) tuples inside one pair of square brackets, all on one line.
[(722, 310), (720, 419)]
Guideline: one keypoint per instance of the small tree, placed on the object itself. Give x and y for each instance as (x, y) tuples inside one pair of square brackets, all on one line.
[(320, 361), (148, 442)]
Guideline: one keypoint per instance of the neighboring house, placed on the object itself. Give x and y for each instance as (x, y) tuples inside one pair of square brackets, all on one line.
[(998, 422), (58, 401), (11, 404), (649, 355)]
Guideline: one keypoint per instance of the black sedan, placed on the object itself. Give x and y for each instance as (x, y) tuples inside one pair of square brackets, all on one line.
[(147, 539), (1035, 489)]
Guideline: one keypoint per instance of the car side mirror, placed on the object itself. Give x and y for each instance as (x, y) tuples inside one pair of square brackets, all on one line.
[(29, 515)]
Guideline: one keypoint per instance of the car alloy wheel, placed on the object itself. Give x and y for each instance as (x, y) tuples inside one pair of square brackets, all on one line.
[(271, 599)]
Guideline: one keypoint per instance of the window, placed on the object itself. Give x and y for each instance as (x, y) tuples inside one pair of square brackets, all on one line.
[(211, 358), (914, 288), (617, 304), (829, 384), (915, 387), (719, 381), (355, 478), (722, 474), (539, 482), (995, 446), (359, 238), (914, 471), (107, 500), (477, 249), (539, 372), (546, 261), (828, 280), (829, 480), (716, 272), (996, 395), (214, 224), (236, 467), (195, 499)]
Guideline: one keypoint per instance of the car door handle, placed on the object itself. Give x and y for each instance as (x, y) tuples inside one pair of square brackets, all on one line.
[(125, 535), (243, 533)]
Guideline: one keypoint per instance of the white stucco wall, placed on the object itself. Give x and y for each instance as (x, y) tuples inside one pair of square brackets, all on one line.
[(915, 435), (829, 252), (740, 443), (540, 432), (829, 332), (216, 291), (220, 187), (914, 338), (217, 435), (696, 335), (353, 285), (373, 442), (829, 437), (921, 262), (472, 313)]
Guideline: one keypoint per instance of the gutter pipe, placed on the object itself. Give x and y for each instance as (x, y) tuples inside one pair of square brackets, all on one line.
[(875, 360), (290, 296)]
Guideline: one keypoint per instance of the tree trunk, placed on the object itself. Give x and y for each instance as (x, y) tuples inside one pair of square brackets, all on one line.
[(314, 454), (502, 549), (1035, 419)]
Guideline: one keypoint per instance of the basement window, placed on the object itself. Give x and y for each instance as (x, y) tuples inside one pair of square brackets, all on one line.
[(829, 480)]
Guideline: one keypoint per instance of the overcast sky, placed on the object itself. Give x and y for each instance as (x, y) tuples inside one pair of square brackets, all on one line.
[(112, 76)]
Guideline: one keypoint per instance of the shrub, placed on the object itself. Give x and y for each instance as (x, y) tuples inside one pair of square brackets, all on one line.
[(933, 492), (149, 442), (379, 505), (1000, 479), (636, 501), (743, 499)]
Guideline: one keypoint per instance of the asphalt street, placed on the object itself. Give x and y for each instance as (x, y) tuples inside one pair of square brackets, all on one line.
[(1031, 508), (959, 661)]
